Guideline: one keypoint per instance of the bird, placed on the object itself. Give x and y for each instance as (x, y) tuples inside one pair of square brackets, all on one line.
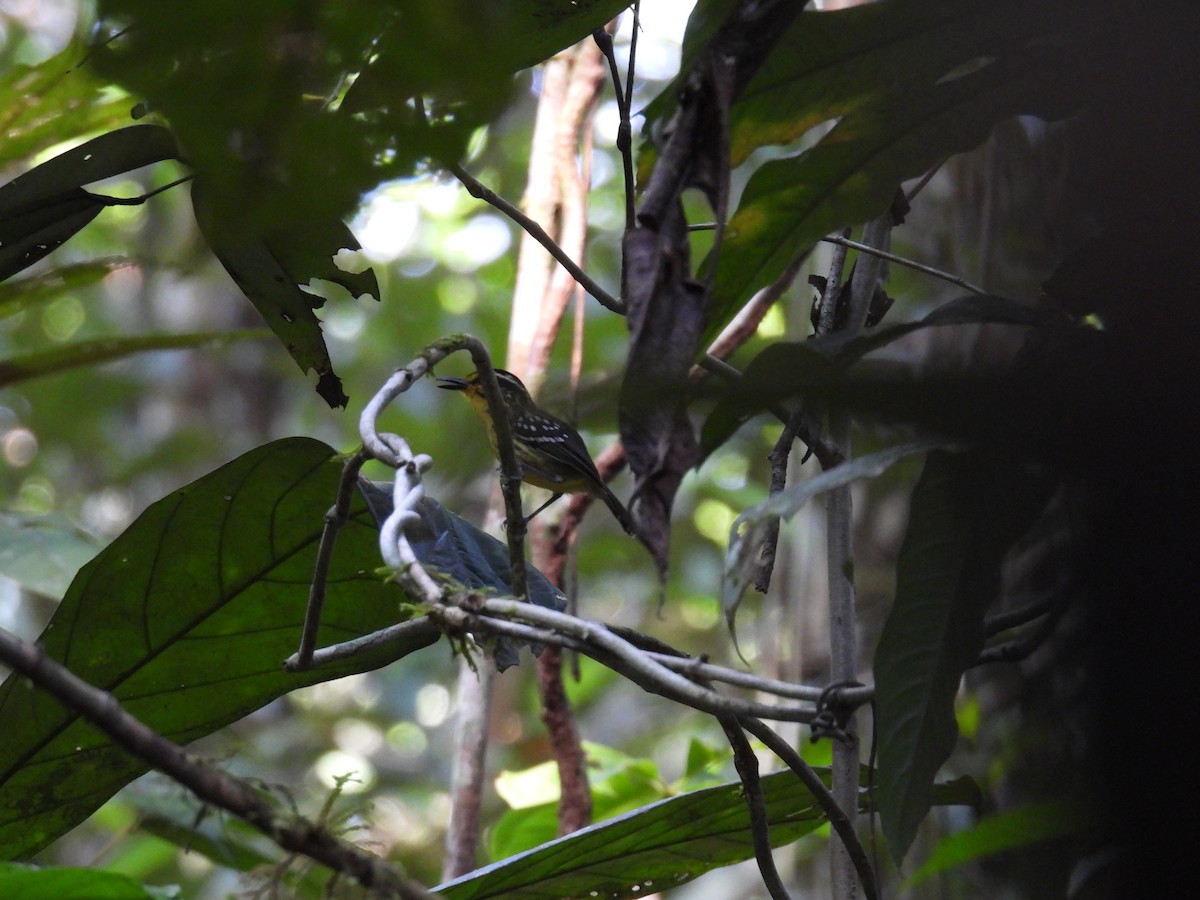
[(550, 452)]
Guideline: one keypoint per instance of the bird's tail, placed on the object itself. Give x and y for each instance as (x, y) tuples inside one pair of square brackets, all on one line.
[(618, 510)]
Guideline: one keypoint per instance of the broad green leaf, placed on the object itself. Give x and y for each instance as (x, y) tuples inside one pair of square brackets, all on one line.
[(102, 350), (619, 783), (659, 846), (967, 510), (853, 173), (18, 882), (1009, 830), (43, 553), (186, 619)]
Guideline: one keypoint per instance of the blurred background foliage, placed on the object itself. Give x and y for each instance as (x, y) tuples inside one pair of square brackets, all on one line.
[(93, 446)]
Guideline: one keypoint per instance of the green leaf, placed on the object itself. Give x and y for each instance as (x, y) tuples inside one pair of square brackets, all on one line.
[(274, 290), (853, 173), (43, 553), (102, 350), (1009, 830), (27, 235), (662, 845), (967, 510), (18, 882), (619, 783), (52, 101), (46, 206), (186, 619)]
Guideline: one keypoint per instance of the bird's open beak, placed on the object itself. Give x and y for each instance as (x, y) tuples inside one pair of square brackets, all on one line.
[(452, 384)]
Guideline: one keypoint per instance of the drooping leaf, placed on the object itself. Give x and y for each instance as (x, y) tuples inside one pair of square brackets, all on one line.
[(666, 302), (186, 619), (102, 350), (43, 553), (659, 846), (27, 235), (275, 293), (967, 510), (44, 207), (749, 529)]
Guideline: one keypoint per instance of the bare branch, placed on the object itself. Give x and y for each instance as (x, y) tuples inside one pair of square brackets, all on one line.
[(477, 189), (289, 831)]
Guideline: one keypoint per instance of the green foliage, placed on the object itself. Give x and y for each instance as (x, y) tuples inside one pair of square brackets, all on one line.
[(661, 845), (1004, 831), (967, 510), (29, 883), (186, 619)]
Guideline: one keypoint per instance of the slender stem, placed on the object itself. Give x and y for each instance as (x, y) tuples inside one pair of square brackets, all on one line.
[(244, 800), (843, 643), (334, 520), (477, 189), (907, 263)]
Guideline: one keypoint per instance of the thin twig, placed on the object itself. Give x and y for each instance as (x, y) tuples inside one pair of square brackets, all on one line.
[(746, 764), (902, 261), (625, 128), (778, 458), (1021, 647), (839, 532), (289, 831), (334, 520), (994, 625), (668, 657), (595, 640), (841, 823), (478, 190)]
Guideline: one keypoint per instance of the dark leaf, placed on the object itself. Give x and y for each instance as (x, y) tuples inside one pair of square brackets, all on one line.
[(818, 368), (46, 206), (664, 316), (110, 154), (28, 235), (852, 174), (186, 619), (665, 305), (275, 293), (967, 511)]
